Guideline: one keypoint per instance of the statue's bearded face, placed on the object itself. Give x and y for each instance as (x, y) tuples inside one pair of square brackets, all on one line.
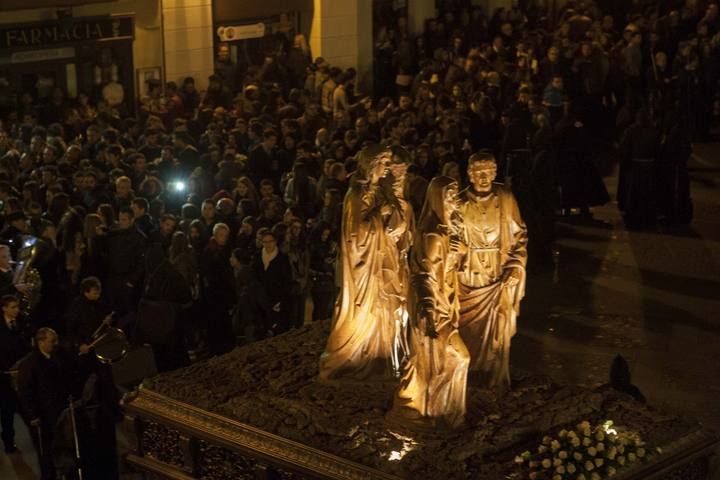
[(482, 175)]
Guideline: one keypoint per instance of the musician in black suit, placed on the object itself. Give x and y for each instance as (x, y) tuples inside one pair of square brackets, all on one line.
[(45, 382), (272, 269), (85, 315), (14, 345)]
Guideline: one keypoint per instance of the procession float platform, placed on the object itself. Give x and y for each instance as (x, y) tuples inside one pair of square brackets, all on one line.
[(258, 413)]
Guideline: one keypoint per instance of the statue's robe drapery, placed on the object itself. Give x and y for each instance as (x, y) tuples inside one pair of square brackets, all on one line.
[(361, 339), (497, 241), (433, 389), (400, 227)]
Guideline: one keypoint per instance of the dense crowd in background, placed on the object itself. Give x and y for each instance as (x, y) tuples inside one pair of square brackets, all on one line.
[(217, 212)]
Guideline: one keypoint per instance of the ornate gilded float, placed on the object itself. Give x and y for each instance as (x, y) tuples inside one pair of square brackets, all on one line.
[(258, 412)]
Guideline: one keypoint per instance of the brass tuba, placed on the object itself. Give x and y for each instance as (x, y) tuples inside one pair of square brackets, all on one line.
[(25, 272)]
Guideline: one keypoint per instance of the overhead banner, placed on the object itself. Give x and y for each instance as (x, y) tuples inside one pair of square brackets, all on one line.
[(241, 32)]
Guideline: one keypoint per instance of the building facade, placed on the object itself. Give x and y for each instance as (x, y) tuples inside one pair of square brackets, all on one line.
[(111, 49)]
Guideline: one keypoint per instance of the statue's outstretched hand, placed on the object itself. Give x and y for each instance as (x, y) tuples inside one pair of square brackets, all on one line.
[(458, 246)]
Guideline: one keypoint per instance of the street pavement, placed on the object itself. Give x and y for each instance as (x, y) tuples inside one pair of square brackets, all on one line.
[(651, 296)]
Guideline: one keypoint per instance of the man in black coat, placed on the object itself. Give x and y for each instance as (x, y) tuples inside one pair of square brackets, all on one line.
[(151, 148), (13, 346), (142, 219), (272, 269), (162, 236), (45, 382), (96, 421), (124, 250), (263, 162), (218, 291), (165, 294), (187, 155), (85, 315)]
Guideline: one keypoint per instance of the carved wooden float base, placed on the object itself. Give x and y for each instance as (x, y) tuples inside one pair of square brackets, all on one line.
[(179, 441), (263, 416)]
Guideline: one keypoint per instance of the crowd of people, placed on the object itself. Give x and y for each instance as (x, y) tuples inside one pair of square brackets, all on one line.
[(215, 215)]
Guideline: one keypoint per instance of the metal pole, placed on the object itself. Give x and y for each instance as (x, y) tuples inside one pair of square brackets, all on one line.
[(40, 442), (75, 438)]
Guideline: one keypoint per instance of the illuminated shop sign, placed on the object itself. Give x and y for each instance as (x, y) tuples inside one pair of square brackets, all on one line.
[(79, 30)]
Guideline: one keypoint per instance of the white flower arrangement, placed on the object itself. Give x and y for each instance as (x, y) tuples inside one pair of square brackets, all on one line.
[(586, 452)]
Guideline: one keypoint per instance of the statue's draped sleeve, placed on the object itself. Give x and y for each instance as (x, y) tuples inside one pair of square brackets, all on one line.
[(513, 246)]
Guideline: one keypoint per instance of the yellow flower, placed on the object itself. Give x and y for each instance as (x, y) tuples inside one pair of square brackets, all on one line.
[(547, 463), (586, 442), (578, 456), (575, 442), (599, 462), (563, 433), (583, 425), (587, 432), (591, 451), (581, 477), (546, 440), (640, 452), (562, 454), (611, 471), (621, 460), (595, 476), (621, 449), (631, 457), (570, 468), (599, 435), (560, 469), (555, 445), (533, 476), (572, 434), (600, 447), (589, 466), (542, 449)]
